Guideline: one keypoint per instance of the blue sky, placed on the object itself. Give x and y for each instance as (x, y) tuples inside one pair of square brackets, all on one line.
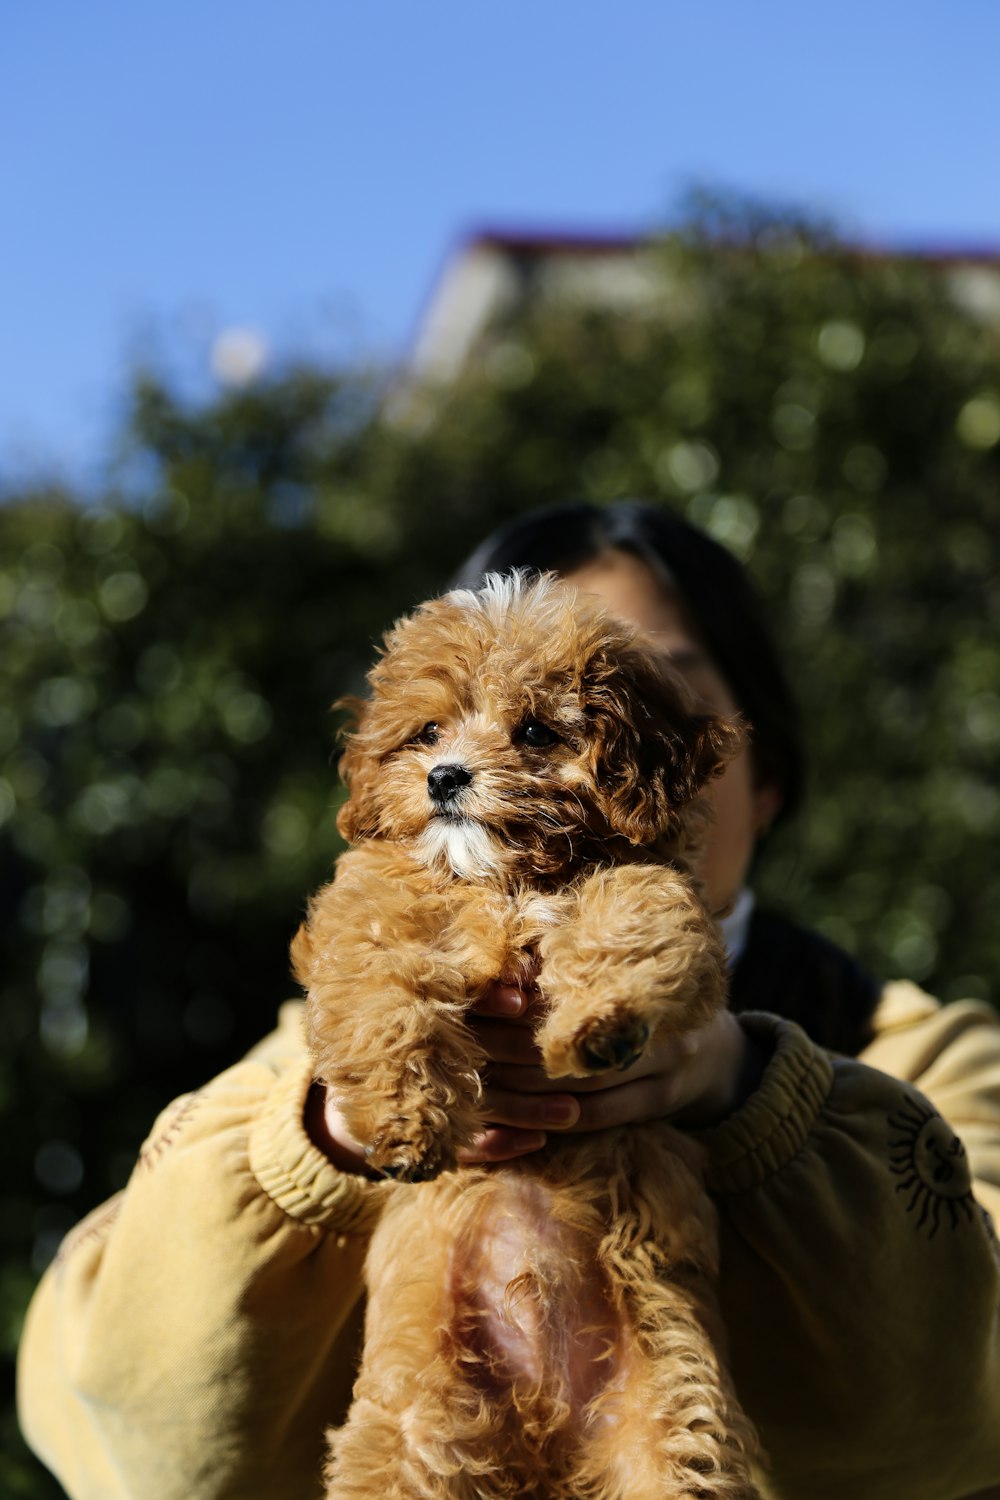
[(168, 170)]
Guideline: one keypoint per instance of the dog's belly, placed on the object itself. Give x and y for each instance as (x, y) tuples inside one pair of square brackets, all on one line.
[(534, 1319)]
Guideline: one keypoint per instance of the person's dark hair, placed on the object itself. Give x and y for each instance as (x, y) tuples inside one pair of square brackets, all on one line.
[(709, 582)]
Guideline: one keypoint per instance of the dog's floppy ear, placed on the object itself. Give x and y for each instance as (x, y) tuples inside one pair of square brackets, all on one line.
[(358, 818), (652, 752)]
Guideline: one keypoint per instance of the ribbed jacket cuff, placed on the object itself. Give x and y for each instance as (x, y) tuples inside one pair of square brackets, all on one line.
[(295, 1173), (772, 1126)]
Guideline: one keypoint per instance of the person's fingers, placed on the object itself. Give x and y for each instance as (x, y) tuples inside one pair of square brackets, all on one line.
[(504, 1043), (516, 1062), (519, 1093), (635, 1103), (506, 1000), (680, 1073), (509, 997), (646, 1098), (521, 1120), (530, 1111), (525, 1076), (501, 1143), (523, 1070)]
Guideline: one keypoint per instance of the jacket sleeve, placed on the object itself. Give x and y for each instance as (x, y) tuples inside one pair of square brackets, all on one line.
[(196, 1334), (860, 1277)]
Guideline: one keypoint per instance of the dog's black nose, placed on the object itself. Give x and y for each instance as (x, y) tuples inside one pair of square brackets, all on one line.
[(444, 781)]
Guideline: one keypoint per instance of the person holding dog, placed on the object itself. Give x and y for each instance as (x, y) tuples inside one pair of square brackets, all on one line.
[(198, 1333)]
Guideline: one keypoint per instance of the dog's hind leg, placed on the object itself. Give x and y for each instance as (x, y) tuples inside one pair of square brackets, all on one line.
[(639, 954), (673, 1426), (391, 1455), (419, 1428)]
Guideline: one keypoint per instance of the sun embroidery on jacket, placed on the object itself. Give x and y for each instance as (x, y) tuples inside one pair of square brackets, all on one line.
[(930, 1161)]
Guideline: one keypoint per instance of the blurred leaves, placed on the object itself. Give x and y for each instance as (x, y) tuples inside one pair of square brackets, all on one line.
[(834, 420), (168, 655)]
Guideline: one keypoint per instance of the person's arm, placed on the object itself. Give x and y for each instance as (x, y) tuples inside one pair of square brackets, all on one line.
[(860, 1275), (197, 1334)]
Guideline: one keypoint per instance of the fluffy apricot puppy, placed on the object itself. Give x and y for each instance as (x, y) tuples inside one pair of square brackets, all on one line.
[(521, 786)]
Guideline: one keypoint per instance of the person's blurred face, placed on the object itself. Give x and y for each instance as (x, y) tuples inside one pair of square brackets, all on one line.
[(743, 806)]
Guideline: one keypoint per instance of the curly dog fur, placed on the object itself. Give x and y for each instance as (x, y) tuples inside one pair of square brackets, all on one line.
[(522, 787)]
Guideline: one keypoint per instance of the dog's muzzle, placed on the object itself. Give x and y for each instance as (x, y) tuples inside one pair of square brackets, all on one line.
[(445, 782)]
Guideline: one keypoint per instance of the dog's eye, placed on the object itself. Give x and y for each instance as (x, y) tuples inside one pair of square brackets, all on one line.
[(536, 734), (427, 736)]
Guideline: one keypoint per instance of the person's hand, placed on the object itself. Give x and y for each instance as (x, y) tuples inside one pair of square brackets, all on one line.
[(326, 1129), (695, 1079)]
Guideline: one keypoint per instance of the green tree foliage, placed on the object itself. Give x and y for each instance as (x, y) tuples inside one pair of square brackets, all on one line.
[(169, 653), (835, 420)]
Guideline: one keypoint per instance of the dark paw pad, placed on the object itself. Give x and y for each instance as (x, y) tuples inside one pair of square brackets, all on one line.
[(613, 1045), (406, 1156), (407, 1171)]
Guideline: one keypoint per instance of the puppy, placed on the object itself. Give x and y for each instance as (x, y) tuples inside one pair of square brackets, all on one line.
[(521, 802)]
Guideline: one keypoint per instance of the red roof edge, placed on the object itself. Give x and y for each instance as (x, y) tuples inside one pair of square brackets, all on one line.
[(528, 241), (547, 242)]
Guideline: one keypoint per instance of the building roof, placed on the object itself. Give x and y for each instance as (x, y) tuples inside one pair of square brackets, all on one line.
[(492, 272)]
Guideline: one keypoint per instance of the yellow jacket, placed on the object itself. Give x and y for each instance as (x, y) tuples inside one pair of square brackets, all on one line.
[(196, 1334)]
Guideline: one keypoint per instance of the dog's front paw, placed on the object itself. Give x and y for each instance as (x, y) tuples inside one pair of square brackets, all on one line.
[(617, 1042), (405, 1150), (612, 1041)]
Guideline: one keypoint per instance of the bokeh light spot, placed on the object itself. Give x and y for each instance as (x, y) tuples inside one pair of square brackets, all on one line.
[(978, 423), (284, 829), (59, 1167), (734, 520), (854, 546), (794, 426), (238, 356), (840, 345), (688, 466), (123, 596)]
